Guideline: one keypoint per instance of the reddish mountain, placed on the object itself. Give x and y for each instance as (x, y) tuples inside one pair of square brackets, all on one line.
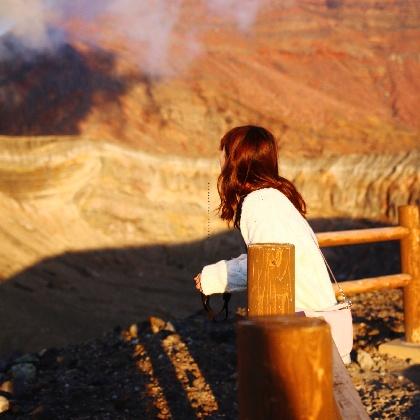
[(330, 76)]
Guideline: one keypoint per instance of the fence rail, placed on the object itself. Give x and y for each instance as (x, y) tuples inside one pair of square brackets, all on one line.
[(362, 236), (353, 287), (408, 233), (268, 349)]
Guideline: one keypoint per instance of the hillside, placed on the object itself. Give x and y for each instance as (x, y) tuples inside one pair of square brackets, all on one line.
[(328, 77)]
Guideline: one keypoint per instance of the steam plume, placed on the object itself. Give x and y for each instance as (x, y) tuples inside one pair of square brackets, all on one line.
[(36, 25), (29, 24), (243, 12)]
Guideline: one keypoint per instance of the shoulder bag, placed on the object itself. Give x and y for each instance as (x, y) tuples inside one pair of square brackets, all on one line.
[(338, 317)]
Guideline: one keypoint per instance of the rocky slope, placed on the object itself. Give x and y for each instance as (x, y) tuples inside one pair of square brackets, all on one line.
[(328, 77), (187, 369)]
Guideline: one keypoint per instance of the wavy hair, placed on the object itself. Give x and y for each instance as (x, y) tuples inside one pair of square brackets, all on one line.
[(250, 164)]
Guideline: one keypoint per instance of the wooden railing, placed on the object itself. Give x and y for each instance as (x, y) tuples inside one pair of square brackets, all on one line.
[(363, 236), (286, 364), (408, 233)]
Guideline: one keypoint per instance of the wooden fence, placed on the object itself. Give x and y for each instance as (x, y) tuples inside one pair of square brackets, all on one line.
[(269, 347), (408, 233)]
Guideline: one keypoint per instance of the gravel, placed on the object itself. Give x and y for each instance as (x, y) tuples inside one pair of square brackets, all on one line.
[(186, 368)]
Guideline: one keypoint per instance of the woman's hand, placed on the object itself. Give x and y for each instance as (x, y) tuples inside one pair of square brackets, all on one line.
[(197, 280)]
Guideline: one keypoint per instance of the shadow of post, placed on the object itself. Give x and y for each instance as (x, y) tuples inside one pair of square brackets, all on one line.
[(77, 296)]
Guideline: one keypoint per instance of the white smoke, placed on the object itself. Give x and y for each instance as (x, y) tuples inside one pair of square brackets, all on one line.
[(28, 22), (148, 24), (243, 12)]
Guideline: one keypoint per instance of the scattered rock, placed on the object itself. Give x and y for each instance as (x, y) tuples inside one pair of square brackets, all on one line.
[(4, 404), (24, 371), (364, 359), (7, 386), (42, 352), (119, 376), (48, 357), (133, 330), (170, 327), (241, 311), (158, 324), (27, 358), (39, 410)]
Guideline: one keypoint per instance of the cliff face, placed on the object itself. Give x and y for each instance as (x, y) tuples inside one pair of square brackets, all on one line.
[(358, 186), (66, 194)]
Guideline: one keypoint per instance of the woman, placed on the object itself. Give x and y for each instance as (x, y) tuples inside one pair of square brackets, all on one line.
[(266, 208)]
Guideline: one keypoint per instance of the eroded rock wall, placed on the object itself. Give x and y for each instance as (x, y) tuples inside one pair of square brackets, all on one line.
[(73, 194)]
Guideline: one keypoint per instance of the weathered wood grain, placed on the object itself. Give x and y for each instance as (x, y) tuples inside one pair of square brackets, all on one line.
[(285, 368), (360, 236), (409, 217), (394, 281), (271, 274)]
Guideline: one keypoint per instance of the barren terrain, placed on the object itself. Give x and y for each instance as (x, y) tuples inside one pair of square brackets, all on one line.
[(105, 171), (186, 369)]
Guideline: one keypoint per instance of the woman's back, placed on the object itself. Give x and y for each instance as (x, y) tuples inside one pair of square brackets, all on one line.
[(268, 208), (272, 211), (268, 216)]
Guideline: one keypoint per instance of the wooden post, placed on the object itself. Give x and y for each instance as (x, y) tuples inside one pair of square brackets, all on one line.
[(408, 217), (284, 362), (271, 279), (285, 369)]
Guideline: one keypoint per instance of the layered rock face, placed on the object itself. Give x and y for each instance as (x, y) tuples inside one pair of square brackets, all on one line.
[(67, 194)]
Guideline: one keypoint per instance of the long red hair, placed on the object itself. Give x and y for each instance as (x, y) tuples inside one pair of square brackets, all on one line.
[(250, 164)]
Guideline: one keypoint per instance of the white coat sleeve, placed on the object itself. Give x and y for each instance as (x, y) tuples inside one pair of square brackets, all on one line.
[(257, 219), (225, 276)]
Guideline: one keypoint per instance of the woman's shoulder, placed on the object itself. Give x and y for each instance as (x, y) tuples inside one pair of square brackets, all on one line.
[(264, 201), (265, 194), (271, 210)]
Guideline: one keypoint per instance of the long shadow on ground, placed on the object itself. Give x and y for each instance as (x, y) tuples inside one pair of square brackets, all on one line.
[(78, 295), (186, 369)]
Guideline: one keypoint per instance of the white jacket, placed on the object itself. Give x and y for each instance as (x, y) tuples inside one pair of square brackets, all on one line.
[(268, 216)]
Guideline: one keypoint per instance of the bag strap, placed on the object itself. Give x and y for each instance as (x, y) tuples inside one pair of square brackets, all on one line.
[(205, 299), (343, 297)]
